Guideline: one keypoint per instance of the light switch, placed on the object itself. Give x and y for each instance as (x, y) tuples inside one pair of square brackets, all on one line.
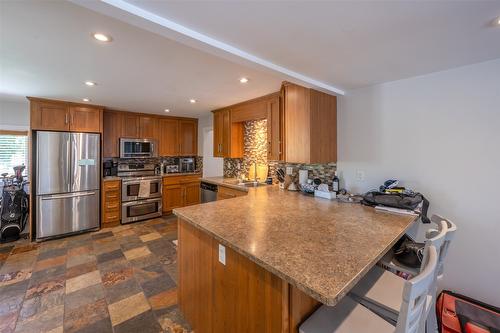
[(289, 170), (222, 254), (360, 175)]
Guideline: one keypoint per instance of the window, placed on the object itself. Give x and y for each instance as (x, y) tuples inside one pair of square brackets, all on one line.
[(13, 151)]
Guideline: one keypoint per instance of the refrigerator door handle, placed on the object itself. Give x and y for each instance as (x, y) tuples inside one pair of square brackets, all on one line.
[(66, 196)]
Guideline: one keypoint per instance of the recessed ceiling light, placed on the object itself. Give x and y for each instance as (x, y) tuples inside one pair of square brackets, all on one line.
[(102, 37), (498, 20), (167, 110), (192, 101), (243, 80), (90, 83), (86, 99)]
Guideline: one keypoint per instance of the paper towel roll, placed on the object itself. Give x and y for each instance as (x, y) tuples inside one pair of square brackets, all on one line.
[(303, 176)]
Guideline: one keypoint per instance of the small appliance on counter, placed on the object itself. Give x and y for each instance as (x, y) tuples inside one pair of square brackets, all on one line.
[(171, 168), (110, 168), (186, 164)]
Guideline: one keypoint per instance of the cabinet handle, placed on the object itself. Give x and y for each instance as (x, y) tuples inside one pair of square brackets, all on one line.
[(72, 118), (66, 118)]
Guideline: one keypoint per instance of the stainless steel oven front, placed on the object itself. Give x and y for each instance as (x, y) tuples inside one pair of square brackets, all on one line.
[(138, 210), (131, 186)]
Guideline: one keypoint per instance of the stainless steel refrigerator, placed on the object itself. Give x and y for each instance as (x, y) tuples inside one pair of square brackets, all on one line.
[(67, 182)]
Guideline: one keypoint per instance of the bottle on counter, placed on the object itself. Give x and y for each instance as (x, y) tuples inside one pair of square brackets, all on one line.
[(335, 183)]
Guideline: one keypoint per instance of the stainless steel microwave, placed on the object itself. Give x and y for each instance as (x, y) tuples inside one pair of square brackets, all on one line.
[(138, 148)]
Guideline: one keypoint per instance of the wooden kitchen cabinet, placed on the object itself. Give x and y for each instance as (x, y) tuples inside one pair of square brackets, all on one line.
[(111, 203), (178, 137), (130, 126), (188, 138), (274, 130), (229, 193), (85, 119), (228, 136), (310, 125), (52, 115), (148, 127), (169, 134), (111, 133), (180, 191), (49, 116)]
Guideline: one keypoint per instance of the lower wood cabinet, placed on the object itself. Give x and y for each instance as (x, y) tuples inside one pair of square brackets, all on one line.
[(228, 193), (180, 191), (238, 296), (111, 203)]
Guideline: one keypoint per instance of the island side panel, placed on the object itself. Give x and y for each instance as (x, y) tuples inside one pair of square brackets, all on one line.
[(239, 296), (195, 276), (301, 307)]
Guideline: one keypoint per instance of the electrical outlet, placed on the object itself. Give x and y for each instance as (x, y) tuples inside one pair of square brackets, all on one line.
[(360, 175), (222, 254), (289, 170)]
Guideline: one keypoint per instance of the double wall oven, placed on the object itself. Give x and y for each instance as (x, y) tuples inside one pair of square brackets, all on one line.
[(141, 192)]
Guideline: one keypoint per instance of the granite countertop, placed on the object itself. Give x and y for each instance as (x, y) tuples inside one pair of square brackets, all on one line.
[(180, 174), (320, 246), (227, 182)]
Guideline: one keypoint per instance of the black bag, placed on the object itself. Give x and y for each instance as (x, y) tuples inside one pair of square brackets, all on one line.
[(408, 253), (398, 200)]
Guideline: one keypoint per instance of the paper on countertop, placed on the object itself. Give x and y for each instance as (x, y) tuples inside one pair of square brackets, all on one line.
[(144, 188), (395, 210)]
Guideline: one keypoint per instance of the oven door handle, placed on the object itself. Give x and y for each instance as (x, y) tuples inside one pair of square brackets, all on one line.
[(140, 202)]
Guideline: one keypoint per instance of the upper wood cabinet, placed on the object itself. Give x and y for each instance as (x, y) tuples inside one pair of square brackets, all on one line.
[(274, 130), (178, 137), (188, 137), (85, 119), (111, 133), (130, 125), (228, 135), (148, 127), (310, 125), (64, 116), (169, 137)]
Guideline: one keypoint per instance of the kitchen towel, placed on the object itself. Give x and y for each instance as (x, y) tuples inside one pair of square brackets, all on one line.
[(144, 188)]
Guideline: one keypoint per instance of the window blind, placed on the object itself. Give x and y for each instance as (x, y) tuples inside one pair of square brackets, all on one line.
[(13, 151)]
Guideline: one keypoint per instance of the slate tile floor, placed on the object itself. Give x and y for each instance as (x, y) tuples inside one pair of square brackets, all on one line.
[(120, 279)]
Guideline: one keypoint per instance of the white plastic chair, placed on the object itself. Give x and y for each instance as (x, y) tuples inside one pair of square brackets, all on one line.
[(349, 317), (381, 291)]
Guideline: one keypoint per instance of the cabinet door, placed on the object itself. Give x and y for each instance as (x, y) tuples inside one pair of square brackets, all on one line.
[(85, 119), (169, 135), (173, 197), (49, 116), (192, 194), (148, 127), (111, 132), (188, 137), (130, 127), (218, 129), (226, 134), (273, 130)]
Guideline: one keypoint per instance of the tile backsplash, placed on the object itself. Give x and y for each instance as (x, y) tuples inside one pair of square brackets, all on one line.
[(255, 148), (157, 160)]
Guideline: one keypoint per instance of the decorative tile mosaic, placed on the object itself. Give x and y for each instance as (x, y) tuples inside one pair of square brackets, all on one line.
[(255, 148), (120, 279)]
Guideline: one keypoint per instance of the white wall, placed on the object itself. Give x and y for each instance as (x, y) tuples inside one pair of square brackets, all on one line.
[(14, 115), (212, 166), (440, 134)]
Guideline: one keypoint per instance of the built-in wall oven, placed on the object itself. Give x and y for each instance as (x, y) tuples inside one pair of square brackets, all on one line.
[(141, 192)]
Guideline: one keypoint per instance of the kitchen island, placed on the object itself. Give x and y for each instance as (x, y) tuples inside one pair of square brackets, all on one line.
[(263, 262)]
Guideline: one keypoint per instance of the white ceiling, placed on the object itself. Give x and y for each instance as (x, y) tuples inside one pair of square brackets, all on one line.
[(348, 44), (46, 49)]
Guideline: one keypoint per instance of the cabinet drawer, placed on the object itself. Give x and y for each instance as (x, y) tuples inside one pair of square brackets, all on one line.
[(112, 185), (112, 195), (228, 193), (110, 216), (110, 205), (176, 180)]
